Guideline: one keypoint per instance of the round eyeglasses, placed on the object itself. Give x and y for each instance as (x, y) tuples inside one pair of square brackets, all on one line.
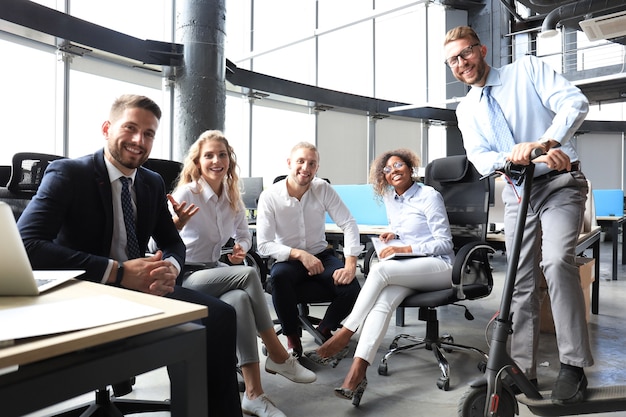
[(466, 53), (395, 165)]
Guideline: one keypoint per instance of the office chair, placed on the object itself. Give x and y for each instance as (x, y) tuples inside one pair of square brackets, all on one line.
[(26, 172), (169, 171), (466, 198)]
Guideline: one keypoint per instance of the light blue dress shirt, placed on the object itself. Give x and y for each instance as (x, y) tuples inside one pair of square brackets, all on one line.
[(536, 102), (418, 217)]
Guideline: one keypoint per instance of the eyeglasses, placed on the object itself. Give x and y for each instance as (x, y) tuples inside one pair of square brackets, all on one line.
[(466, 53), (396, 165)]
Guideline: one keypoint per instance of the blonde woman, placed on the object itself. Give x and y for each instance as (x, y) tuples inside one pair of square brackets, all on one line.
[(208, 211)]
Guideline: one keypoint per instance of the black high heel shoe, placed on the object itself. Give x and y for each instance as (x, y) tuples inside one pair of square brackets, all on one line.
[(355, 396)]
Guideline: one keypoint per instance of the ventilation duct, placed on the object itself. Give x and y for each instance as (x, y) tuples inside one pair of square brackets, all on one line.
[(605, 27), (578, 9)]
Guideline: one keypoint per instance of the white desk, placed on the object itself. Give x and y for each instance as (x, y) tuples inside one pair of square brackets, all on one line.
[(63, 366)]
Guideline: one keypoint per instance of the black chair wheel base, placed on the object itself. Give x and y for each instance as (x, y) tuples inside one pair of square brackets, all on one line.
[(382, 369), (443, 384)]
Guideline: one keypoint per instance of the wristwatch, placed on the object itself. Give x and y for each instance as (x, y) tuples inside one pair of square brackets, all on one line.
[(120, 274), (548, 143)]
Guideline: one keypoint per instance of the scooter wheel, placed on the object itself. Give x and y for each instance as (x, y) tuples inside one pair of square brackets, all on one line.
[(473, 402)]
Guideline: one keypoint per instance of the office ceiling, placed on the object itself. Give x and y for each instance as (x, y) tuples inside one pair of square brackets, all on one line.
[(607, 84)]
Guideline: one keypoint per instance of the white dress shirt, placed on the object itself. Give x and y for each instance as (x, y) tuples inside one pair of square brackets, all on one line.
[(210, 228), (418, 217), (284, 222)]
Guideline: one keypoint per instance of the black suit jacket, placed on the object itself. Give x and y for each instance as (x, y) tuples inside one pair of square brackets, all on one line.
[(69, 222)]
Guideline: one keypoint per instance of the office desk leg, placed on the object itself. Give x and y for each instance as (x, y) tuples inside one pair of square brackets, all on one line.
[(623, 246), (595, 286), (188, 385), (614, 233)]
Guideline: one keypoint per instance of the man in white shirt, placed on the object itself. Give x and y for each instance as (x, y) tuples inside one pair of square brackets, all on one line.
[(291, 230)]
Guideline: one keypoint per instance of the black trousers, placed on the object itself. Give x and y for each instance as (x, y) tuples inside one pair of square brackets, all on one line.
[(221, 335), (291, 284)]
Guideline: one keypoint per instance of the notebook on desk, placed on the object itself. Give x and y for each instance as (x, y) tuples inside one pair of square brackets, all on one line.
[(16, 274)]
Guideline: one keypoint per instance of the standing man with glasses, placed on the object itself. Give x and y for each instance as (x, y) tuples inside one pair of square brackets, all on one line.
[(507, 113)]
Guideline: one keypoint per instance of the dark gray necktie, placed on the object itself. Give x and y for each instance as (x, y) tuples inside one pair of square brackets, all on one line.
[(132, 246)]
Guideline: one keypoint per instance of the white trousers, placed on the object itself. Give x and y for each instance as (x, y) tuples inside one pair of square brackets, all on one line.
[(388, 283)]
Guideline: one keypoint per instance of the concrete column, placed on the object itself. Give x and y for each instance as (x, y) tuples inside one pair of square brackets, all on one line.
[(200, 89)]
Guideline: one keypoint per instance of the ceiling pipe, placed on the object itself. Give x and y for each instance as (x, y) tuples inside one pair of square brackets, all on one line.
[(571, 10)]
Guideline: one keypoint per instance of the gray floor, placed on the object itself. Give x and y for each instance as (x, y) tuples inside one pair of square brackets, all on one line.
[(410, 388)]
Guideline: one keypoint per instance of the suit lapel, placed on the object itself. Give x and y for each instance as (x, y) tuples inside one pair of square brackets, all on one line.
[(104, 189)]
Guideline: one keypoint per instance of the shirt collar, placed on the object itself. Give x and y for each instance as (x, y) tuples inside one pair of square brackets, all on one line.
[(411, 192), (115, 174)]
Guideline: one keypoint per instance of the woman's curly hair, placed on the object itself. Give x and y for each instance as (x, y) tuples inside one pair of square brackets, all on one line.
[(377, 176)]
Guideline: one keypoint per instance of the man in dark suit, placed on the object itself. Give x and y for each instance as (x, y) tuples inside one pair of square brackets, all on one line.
[(76, 221)]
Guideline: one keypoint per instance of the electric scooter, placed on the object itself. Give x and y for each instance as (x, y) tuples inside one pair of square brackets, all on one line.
[(493, 395)]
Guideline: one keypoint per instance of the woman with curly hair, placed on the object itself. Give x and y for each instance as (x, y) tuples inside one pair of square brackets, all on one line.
[(208, 211), (417, 216)]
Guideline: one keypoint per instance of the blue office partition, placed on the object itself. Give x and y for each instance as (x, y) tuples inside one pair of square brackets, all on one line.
[(609, 202), (364, 206)]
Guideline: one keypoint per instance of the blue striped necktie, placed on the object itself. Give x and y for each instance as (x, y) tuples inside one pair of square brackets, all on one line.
[(132, 246), (502, 137)]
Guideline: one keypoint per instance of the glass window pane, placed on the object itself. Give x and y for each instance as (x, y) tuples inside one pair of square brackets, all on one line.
[(401, 55), (274, 133), (236, 130), (90, 100), (144, 19), (346, 60), (281, 23), (28, 109), (294, 63)]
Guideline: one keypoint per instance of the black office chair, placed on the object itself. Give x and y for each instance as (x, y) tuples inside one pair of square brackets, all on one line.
[(169, 171), (467, 199), (26, 172)]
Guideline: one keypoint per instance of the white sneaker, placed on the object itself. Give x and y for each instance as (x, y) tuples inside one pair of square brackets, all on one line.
[(261, 406), (290, 369)]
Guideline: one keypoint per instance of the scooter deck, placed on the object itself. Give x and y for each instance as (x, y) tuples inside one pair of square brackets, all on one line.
[(597, 400)]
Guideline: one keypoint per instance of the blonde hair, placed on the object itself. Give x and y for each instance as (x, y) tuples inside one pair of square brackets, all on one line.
[(191, 172), (460, 32), (377, 176)]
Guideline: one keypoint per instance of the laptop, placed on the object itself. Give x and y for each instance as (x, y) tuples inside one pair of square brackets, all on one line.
[(16, 274)]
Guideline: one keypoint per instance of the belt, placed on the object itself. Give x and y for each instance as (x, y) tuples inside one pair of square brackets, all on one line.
[(552, 174)]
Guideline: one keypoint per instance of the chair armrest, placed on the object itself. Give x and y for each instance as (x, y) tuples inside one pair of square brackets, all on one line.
[(471, 267)]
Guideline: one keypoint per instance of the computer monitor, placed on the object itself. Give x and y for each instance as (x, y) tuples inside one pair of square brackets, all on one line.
[(252, 188)]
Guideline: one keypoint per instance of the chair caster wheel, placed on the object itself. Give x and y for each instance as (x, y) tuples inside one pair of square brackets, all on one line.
[(443, 384), (382, 369)]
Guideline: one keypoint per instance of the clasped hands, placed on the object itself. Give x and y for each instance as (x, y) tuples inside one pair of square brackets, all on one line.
[(314, 266), (554, 158), (151, 275)]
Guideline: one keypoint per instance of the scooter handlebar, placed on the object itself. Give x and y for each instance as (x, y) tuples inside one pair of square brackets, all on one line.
[(516, 170)]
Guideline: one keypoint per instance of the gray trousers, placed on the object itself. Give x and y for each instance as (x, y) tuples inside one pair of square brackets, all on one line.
[(553, 223), (239, 286)]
